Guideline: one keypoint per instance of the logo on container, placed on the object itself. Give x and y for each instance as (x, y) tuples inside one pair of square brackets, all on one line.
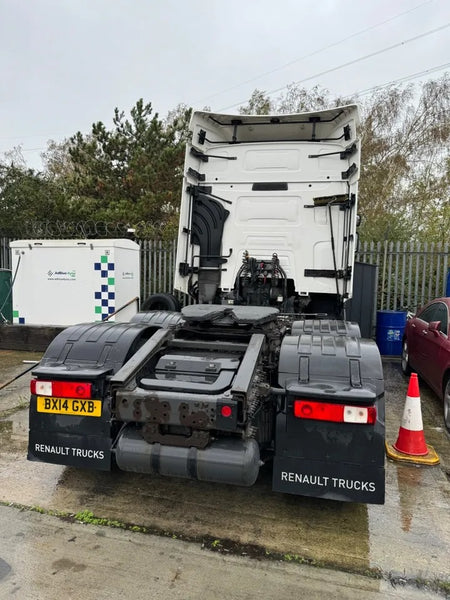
[(61, 275)]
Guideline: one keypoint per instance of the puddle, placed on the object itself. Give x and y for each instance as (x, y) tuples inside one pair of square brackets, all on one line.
[(410, 534), (408, 480)]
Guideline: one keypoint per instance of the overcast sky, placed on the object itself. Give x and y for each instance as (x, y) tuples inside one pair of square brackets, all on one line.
[(68, 63)]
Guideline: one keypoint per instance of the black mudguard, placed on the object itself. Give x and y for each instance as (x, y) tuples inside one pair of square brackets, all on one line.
[(91, 353), (337, 461)]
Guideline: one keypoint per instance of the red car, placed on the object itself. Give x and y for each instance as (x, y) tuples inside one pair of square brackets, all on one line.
[(426, 349)]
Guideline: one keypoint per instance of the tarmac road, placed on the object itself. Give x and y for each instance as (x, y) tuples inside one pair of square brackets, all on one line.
[(405, 541)]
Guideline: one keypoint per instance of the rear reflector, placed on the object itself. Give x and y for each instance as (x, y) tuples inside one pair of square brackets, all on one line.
[(337, 413), (226, 411), (61, 389), (360, 414)]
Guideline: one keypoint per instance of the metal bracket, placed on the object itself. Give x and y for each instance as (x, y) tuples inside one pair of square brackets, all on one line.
[(198, 154), (349, 172), (329, 273), (196, 175), (349, 151), (201, 136)]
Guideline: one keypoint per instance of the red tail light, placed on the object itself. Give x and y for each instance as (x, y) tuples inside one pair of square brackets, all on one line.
[(226, 411), (61, 389), (337, 413)]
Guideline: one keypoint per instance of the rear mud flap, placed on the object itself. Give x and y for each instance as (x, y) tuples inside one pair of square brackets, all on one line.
[(88, 452), (333, 481)]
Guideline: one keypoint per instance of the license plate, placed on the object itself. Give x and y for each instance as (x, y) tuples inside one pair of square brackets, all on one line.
[(69, 406)]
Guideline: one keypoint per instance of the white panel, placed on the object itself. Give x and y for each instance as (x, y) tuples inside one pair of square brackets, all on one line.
[(320, 215), (322, 256), (265, 241), (270, 160), (329, 163), (255, 209)]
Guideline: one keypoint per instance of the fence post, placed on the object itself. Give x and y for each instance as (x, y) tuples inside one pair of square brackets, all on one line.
[(384, 273), (445, 269)]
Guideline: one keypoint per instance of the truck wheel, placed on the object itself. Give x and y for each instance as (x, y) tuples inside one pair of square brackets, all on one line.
[(161, 302), (405, 358), (447, 404)]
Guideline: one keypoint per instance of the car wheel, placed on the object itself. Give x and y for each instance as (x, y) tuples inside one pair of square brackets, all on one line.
[(406, 368), (447, 404)]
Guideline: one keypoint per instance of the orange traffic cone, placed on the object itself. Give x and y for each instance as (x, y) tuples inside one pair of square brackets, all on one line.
[(410, 445), (411, 439)]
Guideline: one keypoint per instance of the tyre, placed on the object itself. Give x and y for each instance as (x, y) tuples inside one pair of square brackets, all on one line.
[(447, 404), (161, 302), (406, 368)]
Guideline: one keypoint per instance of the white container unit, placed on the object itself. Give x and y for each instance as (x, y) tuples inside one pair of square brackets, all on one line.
[(64, 282)]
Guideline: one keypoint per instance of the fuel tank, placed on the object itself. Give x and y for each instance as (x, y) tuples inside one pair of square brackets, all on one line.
[(229, 460)]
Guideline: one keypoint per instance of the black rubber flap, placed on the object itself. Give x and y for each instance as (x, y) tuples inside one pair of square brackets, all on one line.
[(221, 315)]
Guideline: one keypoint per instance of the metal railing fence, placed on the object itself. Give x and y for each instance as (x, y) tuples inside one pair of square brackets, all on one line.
[(5, 254), (409, 274), (157, 266)]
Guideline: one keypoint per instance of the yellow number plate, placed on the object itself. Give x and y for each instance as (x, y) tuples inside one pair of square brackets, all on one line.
[(69, 406)]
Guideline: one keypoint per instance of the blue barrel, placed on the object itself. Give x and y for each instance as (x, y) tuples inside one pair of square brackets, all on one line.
[(390, 328)]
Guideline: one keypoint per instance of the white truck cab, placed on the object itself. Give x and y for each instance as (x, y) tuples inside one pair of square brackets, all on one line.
[(268, 210)]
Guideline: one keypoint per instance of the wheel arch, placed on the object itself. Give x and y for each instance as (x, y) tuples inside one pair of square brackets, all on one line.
[(445, 378)]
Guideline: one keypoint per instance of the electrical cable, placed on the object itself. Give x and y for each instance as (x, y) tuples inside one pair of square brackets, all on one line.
[(305, 56), (350, 62), (401, 80)]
